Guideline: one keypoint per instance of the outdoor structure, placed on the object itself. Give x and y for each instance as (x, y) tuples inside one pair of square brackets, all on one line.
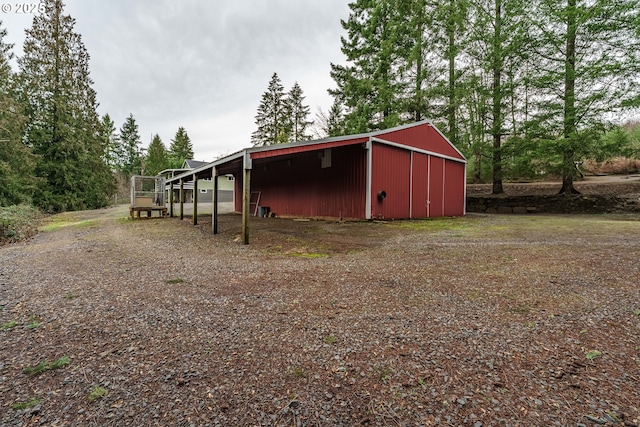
[(205, 185), (147, 195), (410, 171)]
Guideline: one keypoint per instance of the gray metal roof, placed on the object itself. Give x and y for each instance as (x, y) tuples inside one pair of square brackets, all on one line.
[(241, 153)]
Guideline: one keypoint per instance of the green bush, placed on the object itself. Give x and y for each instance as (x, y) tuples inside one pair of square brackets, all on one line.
[(17, 223)]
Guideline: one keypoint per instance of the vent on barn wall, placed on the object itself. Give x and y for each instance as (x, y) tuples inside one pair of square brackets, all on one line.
[(325, 156)]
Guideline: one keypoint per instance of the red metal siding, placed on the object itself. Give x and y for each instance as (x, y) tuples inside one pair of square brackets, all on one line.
[(420, 186), (390, 173), (424, 137), (454, 189), (237, 197), (292, 182), (436, 187), (297, 185)]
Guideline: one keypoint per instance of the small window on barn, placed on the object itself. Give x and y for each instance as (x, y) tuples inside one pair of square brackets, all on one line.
[(204, 191), (326, 158), (230, 178)]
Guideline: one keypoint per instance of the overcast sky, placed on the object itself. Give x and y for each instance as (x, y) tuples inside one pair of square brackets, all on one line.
[(201, 64)]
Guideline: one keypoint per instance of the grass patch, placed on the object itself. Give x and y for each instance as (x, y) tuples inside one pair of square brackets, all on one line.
[(174, 281), (299, 248), (592, 354), (28, 404), (636, 312), (384, 374), (33, 323), (308, 255), (520, 309), (298, 372), (123, 220), (9, 325), (46, 366), (18, 223), (71, 296), (557, 225), (434, 224), (58, 224), (330, 339), (97, 393)]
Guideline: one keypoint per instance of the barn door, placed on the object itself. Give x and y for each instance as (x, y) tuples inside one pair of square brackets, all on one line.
[(435, 197), (420, 186)]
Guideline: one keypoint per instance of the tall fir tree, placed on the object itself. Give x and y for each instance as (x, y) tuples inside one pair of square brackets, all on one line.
[(157, 159), (424, 67), (515, 85), (370, 85), (588, 62), (130, 148), (63, 126), (335, 119), (454, 14), (298, 114), (497, 57), (329, 124), (17, 181), (272, 119), (113, 153), (180, 149)]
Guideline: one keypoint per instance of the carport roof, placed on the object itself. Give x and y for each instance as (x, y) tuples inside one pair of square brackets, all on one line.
[(206, 171)]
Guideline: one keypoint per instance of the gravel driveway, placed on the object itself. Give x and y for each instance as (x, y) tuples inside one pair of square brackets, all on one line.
[(476, 321)]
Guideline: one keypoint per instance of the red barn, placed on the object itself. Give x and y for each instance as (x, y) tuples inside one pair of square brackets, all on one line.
[(410, 171)]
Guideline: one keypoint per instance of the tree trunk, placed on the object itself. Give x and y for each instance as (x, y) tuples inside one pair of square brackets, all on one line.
[(451, 29), (497, 100), (418, 87), (568, 155)]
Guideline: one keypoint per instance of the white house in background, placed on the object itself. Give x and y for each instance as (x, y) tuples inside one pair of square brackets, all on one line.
[(205, 186)]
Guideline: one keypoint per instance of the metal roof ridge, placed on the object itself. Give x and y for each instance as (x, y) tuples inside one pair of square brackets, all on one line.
[(241, 153), (336, 138), (401, 127)]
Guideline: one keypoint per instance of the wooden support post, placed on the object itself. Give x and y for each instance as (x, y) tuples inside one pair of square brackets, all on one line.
[(195, 199), (181, 199), (246, 201), (171, 200), (214, 217)]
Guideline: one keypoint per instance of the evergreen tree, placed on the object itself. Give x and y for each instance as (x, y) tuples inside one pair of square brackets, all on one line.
[(450, 24), (329, 124), (587, 57), (272, 119), (113, 153), (371, 85), (181, 148), (424, 69), (497, 57), (129, 140), (335, 120), (17, 183), (298, 114), (515, 85), (63, 126), (157, 158)]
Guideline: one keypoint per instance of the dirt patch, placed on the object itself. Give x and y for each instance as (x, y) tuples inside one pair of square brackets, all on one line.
[(610, 185), (483, 320), (598, 194)]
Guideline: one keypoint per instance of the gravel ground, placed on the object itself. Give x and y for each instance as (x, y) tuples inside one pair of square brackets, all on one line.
[(486, 320)]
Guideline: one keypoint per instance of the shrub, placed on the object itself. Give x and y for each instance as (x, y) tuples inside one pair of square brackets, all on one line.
[(17, 223)]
